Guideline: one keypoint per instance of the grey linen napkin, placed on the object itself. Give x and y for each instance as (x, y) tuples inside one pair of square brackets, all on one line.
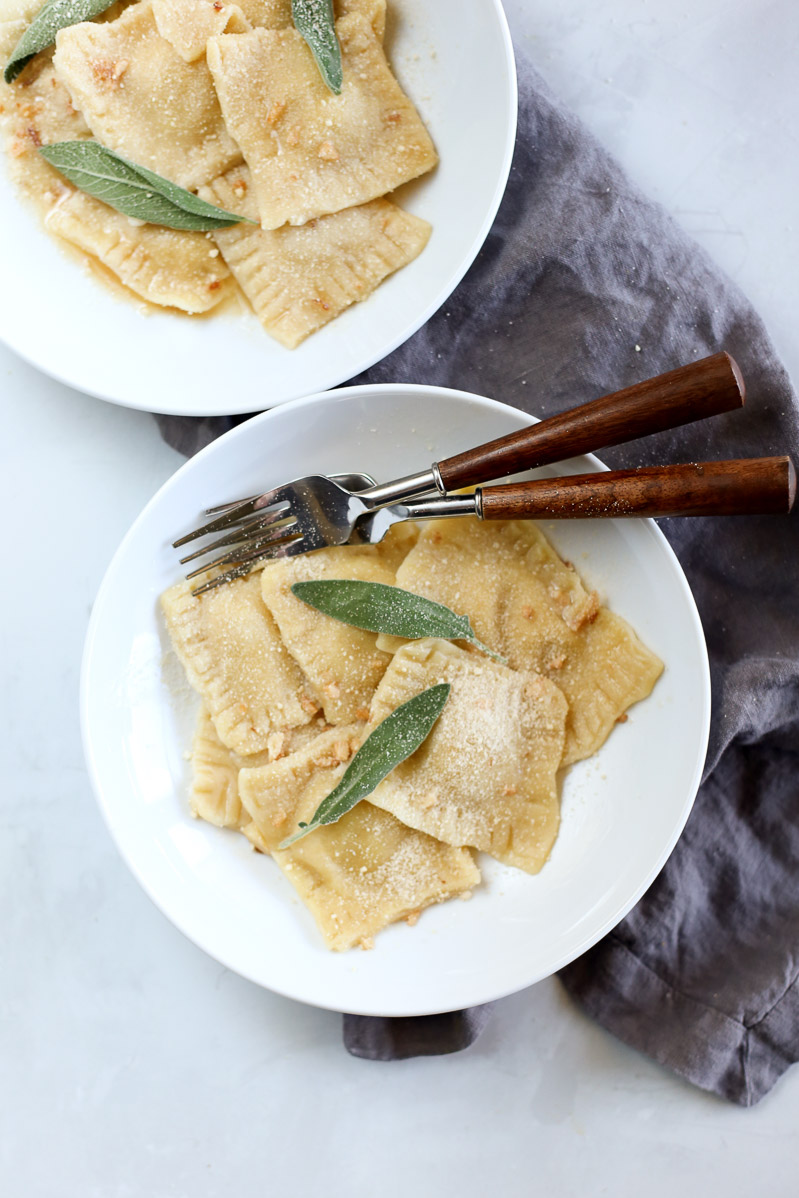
[(585, 286)]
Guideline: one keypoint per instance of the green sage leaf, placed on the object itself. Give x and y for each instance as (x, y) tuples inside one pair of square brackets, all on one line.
[(316, 23), (134, 190), (54, 15), (381, 608), (394, 739)]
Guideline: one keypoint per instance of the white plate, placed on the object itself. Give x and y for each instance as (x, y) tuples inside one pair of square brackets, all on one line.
[(622, 809), (460, 73)]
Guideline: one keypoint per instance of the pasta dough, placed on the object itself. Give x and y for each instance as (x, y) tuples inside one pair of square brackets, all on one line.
[(486, 775), (37, 115), (362, 873), (214, 794), (297, 279), (525, 603), (232, 653), (311, 152), (168, 267), (276, 14), (255, 838), (140, 98), (188, 24), (19, 13), (342, 662)]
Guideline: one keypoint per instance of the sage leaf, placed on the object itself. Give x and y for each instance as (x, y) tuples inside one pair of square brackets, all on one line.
[(54, 15), (134, 190), (316, 24), (394, 739), (378, 607)]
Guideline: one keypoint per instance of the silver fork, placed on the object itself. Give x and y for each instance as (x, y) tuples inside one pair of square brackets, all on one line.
[(749, 486), (317, 511)]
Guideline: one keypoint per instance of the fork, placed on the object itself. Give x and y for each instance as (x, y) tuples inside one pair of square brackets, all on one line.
[(740, 487), (314, 512)]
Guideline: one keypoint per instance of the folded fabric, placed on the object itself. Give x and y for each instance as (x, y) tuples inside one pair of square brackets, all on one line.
[(582, 287)]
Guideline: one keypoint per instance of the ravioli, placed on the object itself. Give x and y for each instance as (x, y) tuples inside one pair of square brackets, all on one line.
[(255, 838), (168, 267), (17, 13), (362, 873), (214, 794), (528, 605), (36, 115), (485, 779), (299, 278), (140, 98), (231, 650), (342, 663), (136, 78), (311, 152), (487, 774), (188, 24), (276, 14)]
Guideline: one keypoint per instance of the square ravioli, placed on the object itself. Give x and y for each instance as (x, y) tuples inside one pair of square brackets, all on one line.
[(168, 267), (298, 278), (360, 874), (140, 98), (342, 663), (214, 793), (312, 152), (233, 656), (487, 774), (528, 605)]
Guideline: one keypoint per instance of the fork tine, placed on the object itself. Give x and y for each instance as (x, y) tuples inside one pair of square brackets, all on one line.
[(238, 512), (264, 499), (221, 579), (344, 480), (225, 507), (245, 566), (250, 550), (243, 532)]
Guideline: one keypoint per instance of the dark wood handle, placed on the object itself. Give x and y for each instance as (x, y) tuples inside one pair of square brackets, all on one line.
[(754, 486), (704, 388)]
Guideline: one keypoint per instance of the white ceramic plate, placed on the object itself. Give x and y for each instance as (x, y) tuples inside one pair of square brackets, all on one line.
[(622, 809), (460, 73)]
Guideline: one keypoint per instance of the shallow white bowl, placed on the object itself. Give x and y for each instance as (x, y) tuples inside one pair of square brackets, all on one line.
[(622, 809), (460, 73)]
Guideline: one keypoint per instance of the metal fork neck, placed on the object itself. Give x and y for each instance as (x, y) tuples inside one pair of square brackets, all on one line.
[(402, 488), (434, 507)]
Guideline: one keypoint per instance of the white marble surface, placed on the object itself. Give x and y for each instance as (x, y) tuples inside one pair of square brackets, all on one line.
[(135, 1067)]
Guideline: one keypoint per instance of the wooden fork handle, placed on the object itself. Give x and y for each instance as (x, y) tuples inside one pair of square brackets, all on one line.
[(704, 388), (753, 486)]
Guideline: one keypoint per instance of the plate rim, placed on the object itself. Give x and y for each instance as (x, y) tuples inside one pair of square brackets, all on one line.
[(334, 377), (378, 391)]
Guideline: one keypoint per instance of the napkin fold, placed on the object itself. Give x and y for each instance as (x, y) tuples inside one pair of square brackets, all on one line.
[(585, 286)]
